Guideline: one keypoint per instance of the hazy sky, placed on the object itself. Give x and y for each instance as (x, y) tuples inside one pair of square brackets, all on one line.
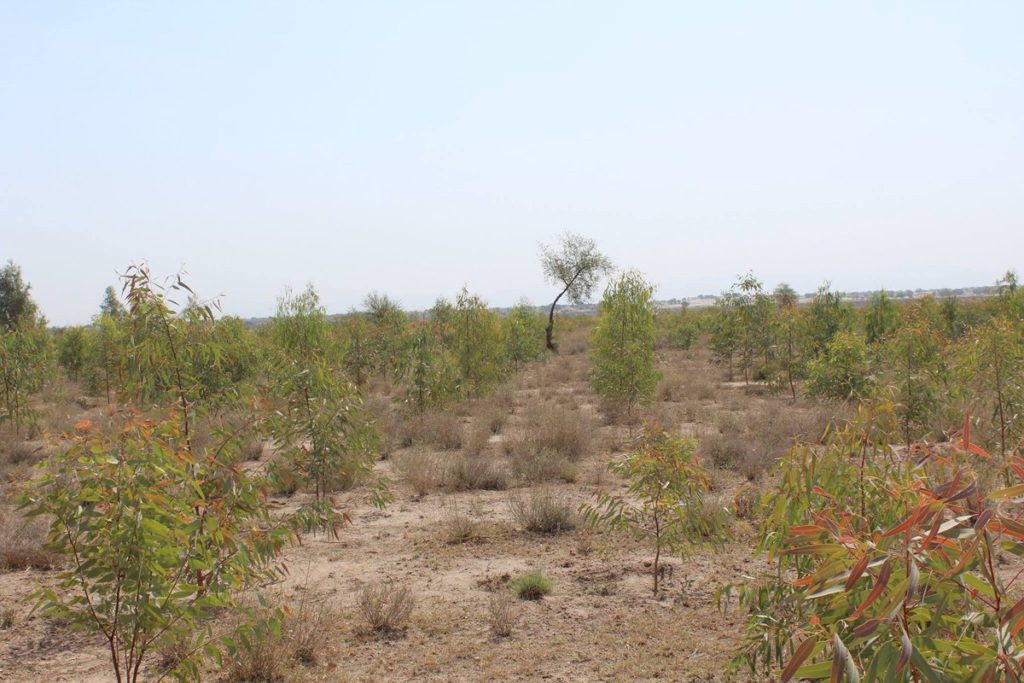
[(412, 147)]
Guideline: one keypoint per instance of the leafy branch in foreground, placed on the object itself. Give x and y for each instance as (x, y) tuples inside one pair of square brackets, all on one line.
[(888, 563)]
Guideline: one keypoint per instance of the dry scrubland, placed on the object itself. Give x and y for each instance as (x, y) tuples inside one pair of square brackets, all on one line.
[(485, 492), (760, 491)]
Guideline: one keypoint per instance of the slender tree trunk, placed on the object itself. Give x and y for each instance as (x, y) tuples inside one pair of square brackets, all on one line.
[(657, 550), (549, 331), (789, 362)]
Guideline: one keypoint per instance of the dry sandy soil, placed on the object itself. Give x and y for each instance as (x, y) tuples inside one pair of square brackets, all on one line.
[(601, 623)]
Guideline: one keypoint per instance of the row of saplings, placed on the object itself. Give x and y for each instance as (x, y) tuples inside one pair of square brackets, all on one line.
[(886, 555), (162, 528)]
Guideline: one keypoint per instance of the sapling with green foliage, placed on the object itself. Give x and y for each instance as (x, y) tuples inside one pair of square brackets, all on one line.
[(158, 538), (476, 344), (105, 363), (17, 309), (389, 333), (299, 329), (677, 329), (524, 335), (842, 371), (755, 312), (158, 534), (622, 359), (789, 322), (881, 318), (324, 440), (111, 304), (725, 331), (826, 316), (914, 355), (992, 364), (26, 350), (664, 501), (359, 351), (72, 343), (26, 362)]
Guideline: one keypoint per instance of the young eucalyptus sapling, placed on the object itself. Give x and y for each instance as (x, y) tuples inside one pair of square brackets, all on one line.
[(665, 497)]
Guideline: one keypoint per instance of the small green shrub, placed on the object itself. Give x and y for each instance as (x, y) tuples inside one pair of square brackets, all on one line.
[(532, 585)]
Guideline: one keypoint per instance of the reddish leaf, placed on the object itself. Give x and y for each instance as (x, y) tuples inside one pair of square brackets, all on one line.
[(876, 592), (907, 523), (978, 450), (969, 490), (856, 572), (1017, 627), (867, 628), (1017, 608), (983, 519), (803, 651)]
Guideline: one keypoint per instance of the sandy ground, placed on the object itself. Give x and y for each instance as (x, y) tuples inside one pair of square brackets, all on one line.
[(600, 624)]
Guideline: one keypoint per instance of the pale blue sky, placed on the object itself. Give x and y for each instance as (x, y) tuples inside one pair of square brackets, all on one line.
[(413, 147)]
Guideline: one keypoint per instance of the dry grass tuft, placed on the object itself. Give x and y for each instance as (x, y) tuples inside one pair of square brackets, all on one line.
[(441, 430), (253, 450), (544, 466), (386, 606), (557, 430), (421, 470), (501, 614), (705, 391), (264, 661), (670, 389), (307, 630), (8, 617), (17, 453), (542, 511), (479, 437), (21, 543), (458, 527), (475, 473), (745, 501), (724, 451)]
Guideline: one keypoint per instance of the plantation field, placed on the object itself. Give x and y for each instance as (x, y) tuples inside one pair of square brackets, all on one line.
[(457, 548), (758, 491)]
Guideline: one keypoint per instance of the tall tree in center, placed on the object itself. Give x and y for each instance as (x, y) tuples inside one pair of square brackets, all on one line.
[(576, 266)]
